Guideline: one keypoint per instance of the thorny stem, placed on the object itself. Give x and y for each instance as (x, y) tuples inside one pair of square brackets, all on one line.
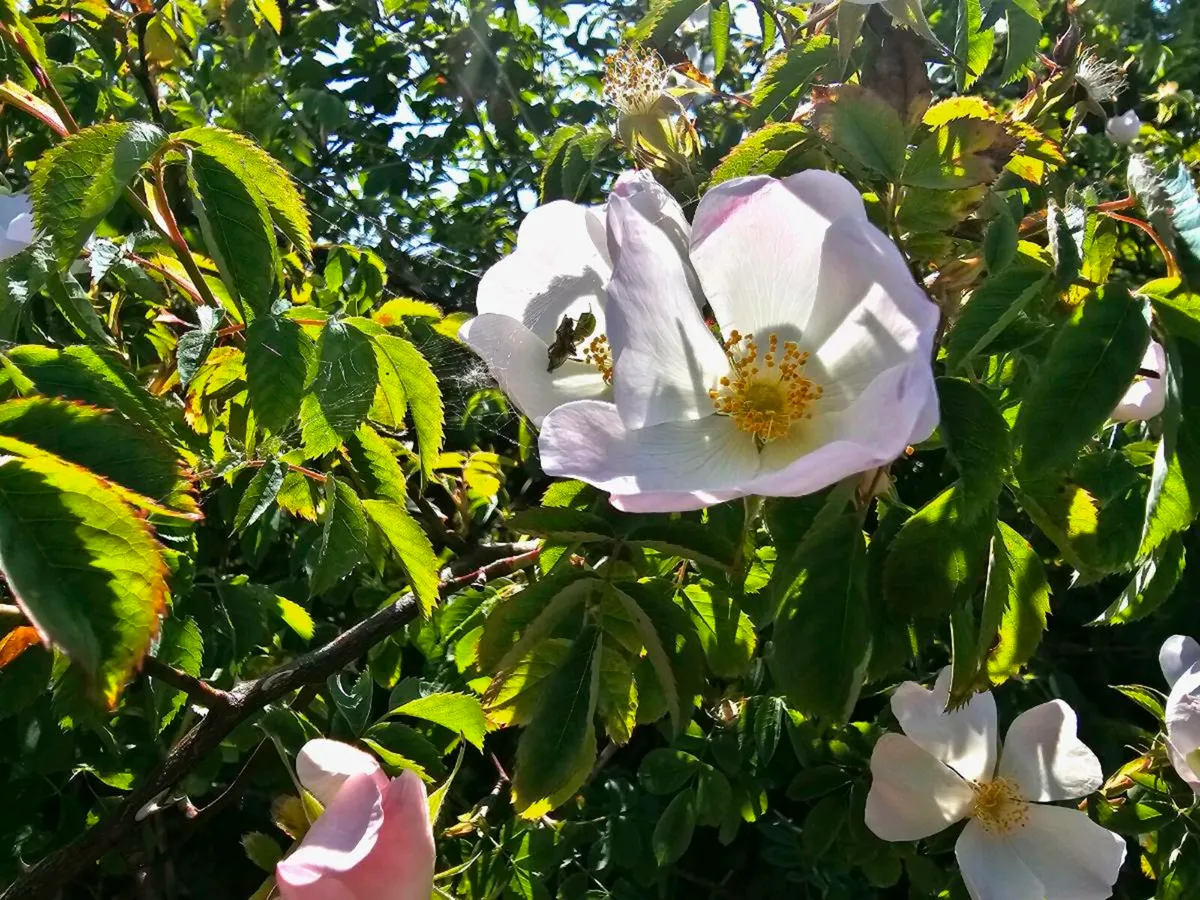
[(246, 700)]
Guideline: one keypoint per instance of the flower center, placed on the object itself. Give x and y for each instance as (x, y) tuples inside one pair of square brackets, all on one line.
[(597, 353), (634, 79), (765, 395), (999, 806)]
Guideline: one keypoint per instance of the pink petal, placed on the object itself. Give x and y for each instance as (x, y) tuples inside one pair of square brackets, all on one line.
[(323, 766)]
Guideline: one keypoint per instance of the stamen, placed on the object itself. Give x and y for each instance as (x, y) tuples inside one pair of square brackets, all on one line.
[(599, 354), (765, 400), (634, 79), (999, 806)]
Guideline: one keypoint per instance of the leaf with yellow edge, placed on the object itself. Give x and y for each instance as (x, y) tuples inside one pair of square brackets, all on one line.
[(960, 108), (395, 310)]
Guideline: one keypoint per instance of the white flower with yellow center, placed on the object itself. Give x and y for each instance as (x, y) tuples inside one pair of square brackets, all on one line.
[(1180, 662), (944, 769), (556, 278), (817, 366)]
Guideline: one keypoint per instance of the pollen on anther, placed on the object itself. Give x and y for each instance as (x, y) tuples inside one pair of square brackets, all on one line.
[(599, 354), (766, 400)]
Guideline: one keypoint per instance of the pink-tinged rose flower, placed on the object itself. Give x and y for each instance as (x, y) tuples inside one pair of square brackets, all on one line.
[(947, 767), (1147, 396), (1180, 662), (373, 841), (821, 370), (1123, 129)]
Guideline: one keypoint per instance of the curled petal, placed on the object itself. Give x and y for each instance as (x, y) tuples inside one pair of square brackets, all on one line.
[(560, 267), (587, 440), (912, 794), (324, 765), (1177, 654), (1044, 756), (517, 359), (964, 739), (1183, 725)]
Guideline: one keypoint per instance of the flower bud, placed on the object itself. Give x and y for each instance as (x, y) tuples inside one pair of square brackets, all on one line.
[(1123, 129)]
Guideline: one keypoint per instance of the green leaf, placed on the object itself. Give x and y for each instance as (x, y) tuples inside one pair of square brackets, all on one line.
[(561, 523), (1147, 698), (279, 362), (822, 638), (1024, 20), (992, 307), (726, 632), (237, 229), (400, 747), (106, 443), (673, 830), (353, 703), (864, 127), (411, 546), (422, 393), (663, 771), (774, 149), (461, 713), (1016, 603), (1184, 205), (78, 181), (262, 850), (561, 731), (343, 543), (977, 437), (1154, 580), (937, 556), (376, 464), (194, 345), (515, 623), (260, 494), (972, 47), (718, 32), (662, 20), (83, 567), (259, 171), (76, 307), (778, 91), (656, 654), (1089, 367), (685, 539), (342, 390), (181, 647)]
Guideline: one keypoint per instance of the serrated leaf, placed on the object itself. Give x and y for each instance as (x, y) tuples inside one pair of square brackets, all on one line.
[(685, 539), (1147, 698), (78, 181), (972, 47), (396, 310), (412, 548), (353, 702), (662, 20), (181, 647), (461, 713), (1089, 367), (719, 19), (260, 494), (1016, 603), (822, 639), (280, 359), (195, 344), (342, 390), (561, 731), (561, 522), (376, 464), (259, 170), (1024, 20), (262, 850), (991, 308), (726, 632), (787, 74), (1154, 580), (83, 567), (774, 149), (423, 396), (664, 771), (515, 623), (899, 76), (343, 542), (977, 437), (400, 747), (864, 127), (674, 828), (656, 653), (237, 229)]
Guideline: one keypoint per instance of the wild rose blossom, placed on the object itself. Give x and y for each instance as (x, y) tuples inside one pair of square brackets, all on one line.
[(1147, 396), (1179, 659), (372, 842), (817, 366), (944, 769)]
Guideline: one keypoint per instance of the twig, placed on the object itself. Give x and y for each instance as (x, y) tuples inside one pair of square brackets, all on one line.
[(199, 692), (58, 869), (18, 41)]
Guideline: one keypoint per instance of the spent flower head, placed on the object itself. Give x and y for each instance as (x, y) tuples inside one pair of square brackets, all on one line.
[(635, 78), (1101, 80)]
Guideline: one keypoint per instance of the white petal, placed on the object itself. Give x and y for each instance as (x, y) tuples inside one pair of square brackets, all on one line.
[(1177, 654), (588, 441), (874, 430), (560, 267), (665, 360), (757, 247), (1147, 396), (1072, 856), (991, 868), (655, 204), (964, 739), (665, 501), (323, 765), (1183, 724), (1185, 765), (16, 224), (517, 359), (912, 795), (1044, 756)]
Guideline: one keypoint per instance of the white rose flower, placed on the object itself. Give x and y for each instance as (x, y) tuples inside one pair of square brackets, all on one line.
[(817, 366), (1147, 396), (944, 769), (16, 224), (1123, 129), (1180, 662), (559, 270)]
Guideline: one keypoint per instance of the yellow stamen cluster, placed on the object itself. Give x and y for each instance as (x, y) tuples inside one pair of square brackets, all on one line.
[(599, 354), (765, 395), (634, 79), (999, 806)]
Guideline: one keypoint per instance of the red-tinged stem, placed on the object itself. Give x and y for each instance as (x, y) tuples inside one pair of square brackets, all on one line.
[(1168, 256)]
